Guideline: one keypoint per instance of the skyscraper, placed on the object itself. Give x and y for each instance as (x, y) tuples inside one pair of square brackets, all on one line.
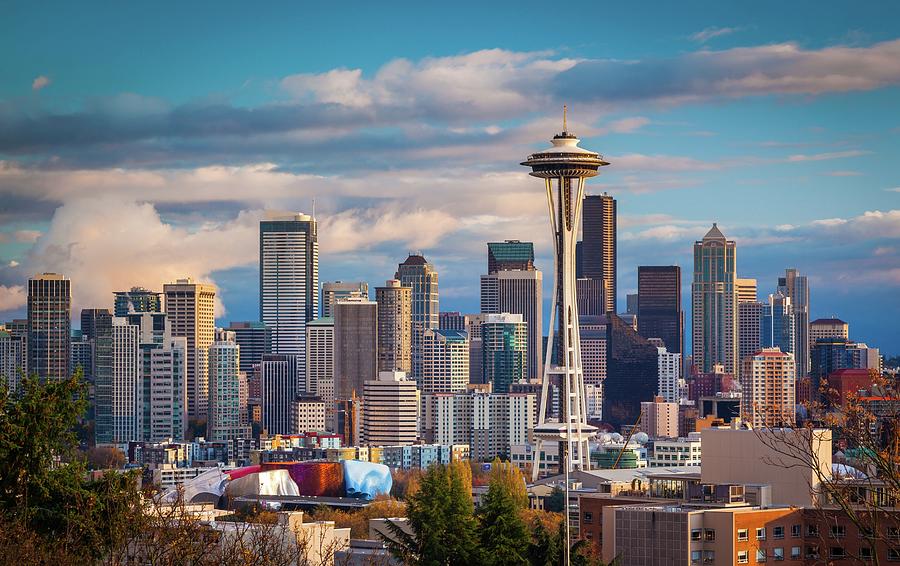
[(671, 385), (390, 410), (278, 390), (118, 388), (599, 243), (49, 325), (504, 350), (420, 276), (796, 287), (591, 293), (445, 362), (714, 303), (334, 291), (832, 327), (749, 325), (225, 420), (777, 324), (355, 346), (168, 392), (632, 372), (320, 361), (88, 321), (394, 326), (513, 285), (769, 388), (746, 289), (659, 305), (289, 281), (137, 299), (255, 339), (13, 356), (452, 320), (190, 308)]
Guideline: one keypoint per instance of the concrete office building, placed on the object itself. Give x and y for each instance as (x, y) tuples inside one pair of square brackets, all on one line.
[(513, 285), (390, 410), (319, 358), (598, 244), (591, 296), (136, 300), (672, 386), (13, 358), (334, 291), (504, 350), (768, 380), (419, 275), (749, 325), (167, 401), (118, 386), (255, 339), (49, 325), (445, 361), (659, 313), (226, 421), (355, 345), (278, 390), (451, 320), (289, 282), (659, 419), (307, 415), (476, 361), (490, 423), (828, 328), (190, 308), (714, 303), (88, 321), (747, 289), (394, 326)]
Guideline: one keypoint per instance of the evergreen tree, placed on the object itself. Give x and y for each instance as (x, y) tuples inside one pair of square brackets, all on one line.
[(504, 535), (441, 517)]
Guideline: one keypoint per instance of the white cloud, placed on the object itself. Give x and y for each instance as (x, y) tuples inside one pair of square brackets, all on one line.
[(40, 82), (709, 33), (827, 156), (27, 236), (12, 297)]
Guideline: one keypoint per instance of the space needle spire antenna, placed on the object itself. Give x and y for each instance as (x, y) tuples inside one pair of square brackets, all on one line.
[(564, 167)]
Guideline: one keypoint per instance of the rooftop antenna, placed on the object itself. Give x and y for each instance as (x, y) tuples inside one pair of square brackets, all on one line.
[(314, 208), (565, 109)]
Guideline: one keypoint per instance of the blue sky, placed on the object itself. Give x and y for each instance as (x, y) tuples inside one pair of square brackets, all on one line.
[(140, 143)]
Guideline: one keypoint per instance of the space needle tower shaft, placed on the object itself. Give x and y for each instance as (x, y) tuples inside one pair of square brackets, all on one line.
[(564, 167)]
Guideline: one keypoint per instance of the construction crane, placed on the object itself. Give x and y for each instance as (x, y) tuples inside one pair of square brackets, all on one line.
[(627, 440)]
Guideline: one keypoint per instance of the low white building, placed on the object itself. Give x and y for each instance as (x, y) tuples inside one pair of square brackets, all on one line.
[(674, 452)]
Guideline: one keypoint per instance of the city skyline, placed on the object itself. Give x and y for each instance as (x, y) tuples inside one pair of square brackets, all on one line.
[(679, 156)]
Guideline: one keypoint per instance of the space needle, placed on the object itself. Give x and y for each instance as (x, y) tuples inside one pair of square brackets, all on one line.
[(564, 168)]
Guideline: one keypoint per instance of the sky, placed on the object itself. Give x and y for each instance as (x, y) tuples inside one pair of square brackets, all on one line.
[(142, 142)]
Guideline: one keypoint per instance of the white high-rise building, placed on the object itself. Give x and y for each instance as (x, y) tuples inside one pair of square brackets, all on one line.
[(319, 356), (168, 392), (190, 308), (671, 385), (13, 356), (289, 282), (225, 421), (308, 415), (490, 423), (277, 391), (127, 395), (445, 361), (390, 410), (749, 323)]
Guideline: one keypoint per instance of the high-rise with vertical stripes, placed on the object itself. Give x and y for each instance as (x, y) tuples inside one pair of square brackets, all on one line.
[(289, 282), (714, 303), (49, 325), (190, 307), (598, 244), (419, 275)]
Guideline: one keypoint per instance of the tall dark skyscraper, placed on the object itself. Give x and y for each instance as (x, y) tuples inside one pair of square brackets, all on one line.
[(419, 275), (49, 325), (89, 322), (659, 311), (598, 245), (255, 340)]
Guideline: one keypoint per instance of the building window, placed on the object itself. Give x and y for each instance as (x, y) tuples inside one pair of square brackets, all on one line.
[(695, 556), (761, 533), (695, 535), (812, 530), (893, 555), (838, 531), (778, 554), (837, 552), (795, 553), (812, 552), (588, 517), (865, 553), (742, 535), (796, 531), (760, 555), (710, 534), (777, 532), (709, 556)]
